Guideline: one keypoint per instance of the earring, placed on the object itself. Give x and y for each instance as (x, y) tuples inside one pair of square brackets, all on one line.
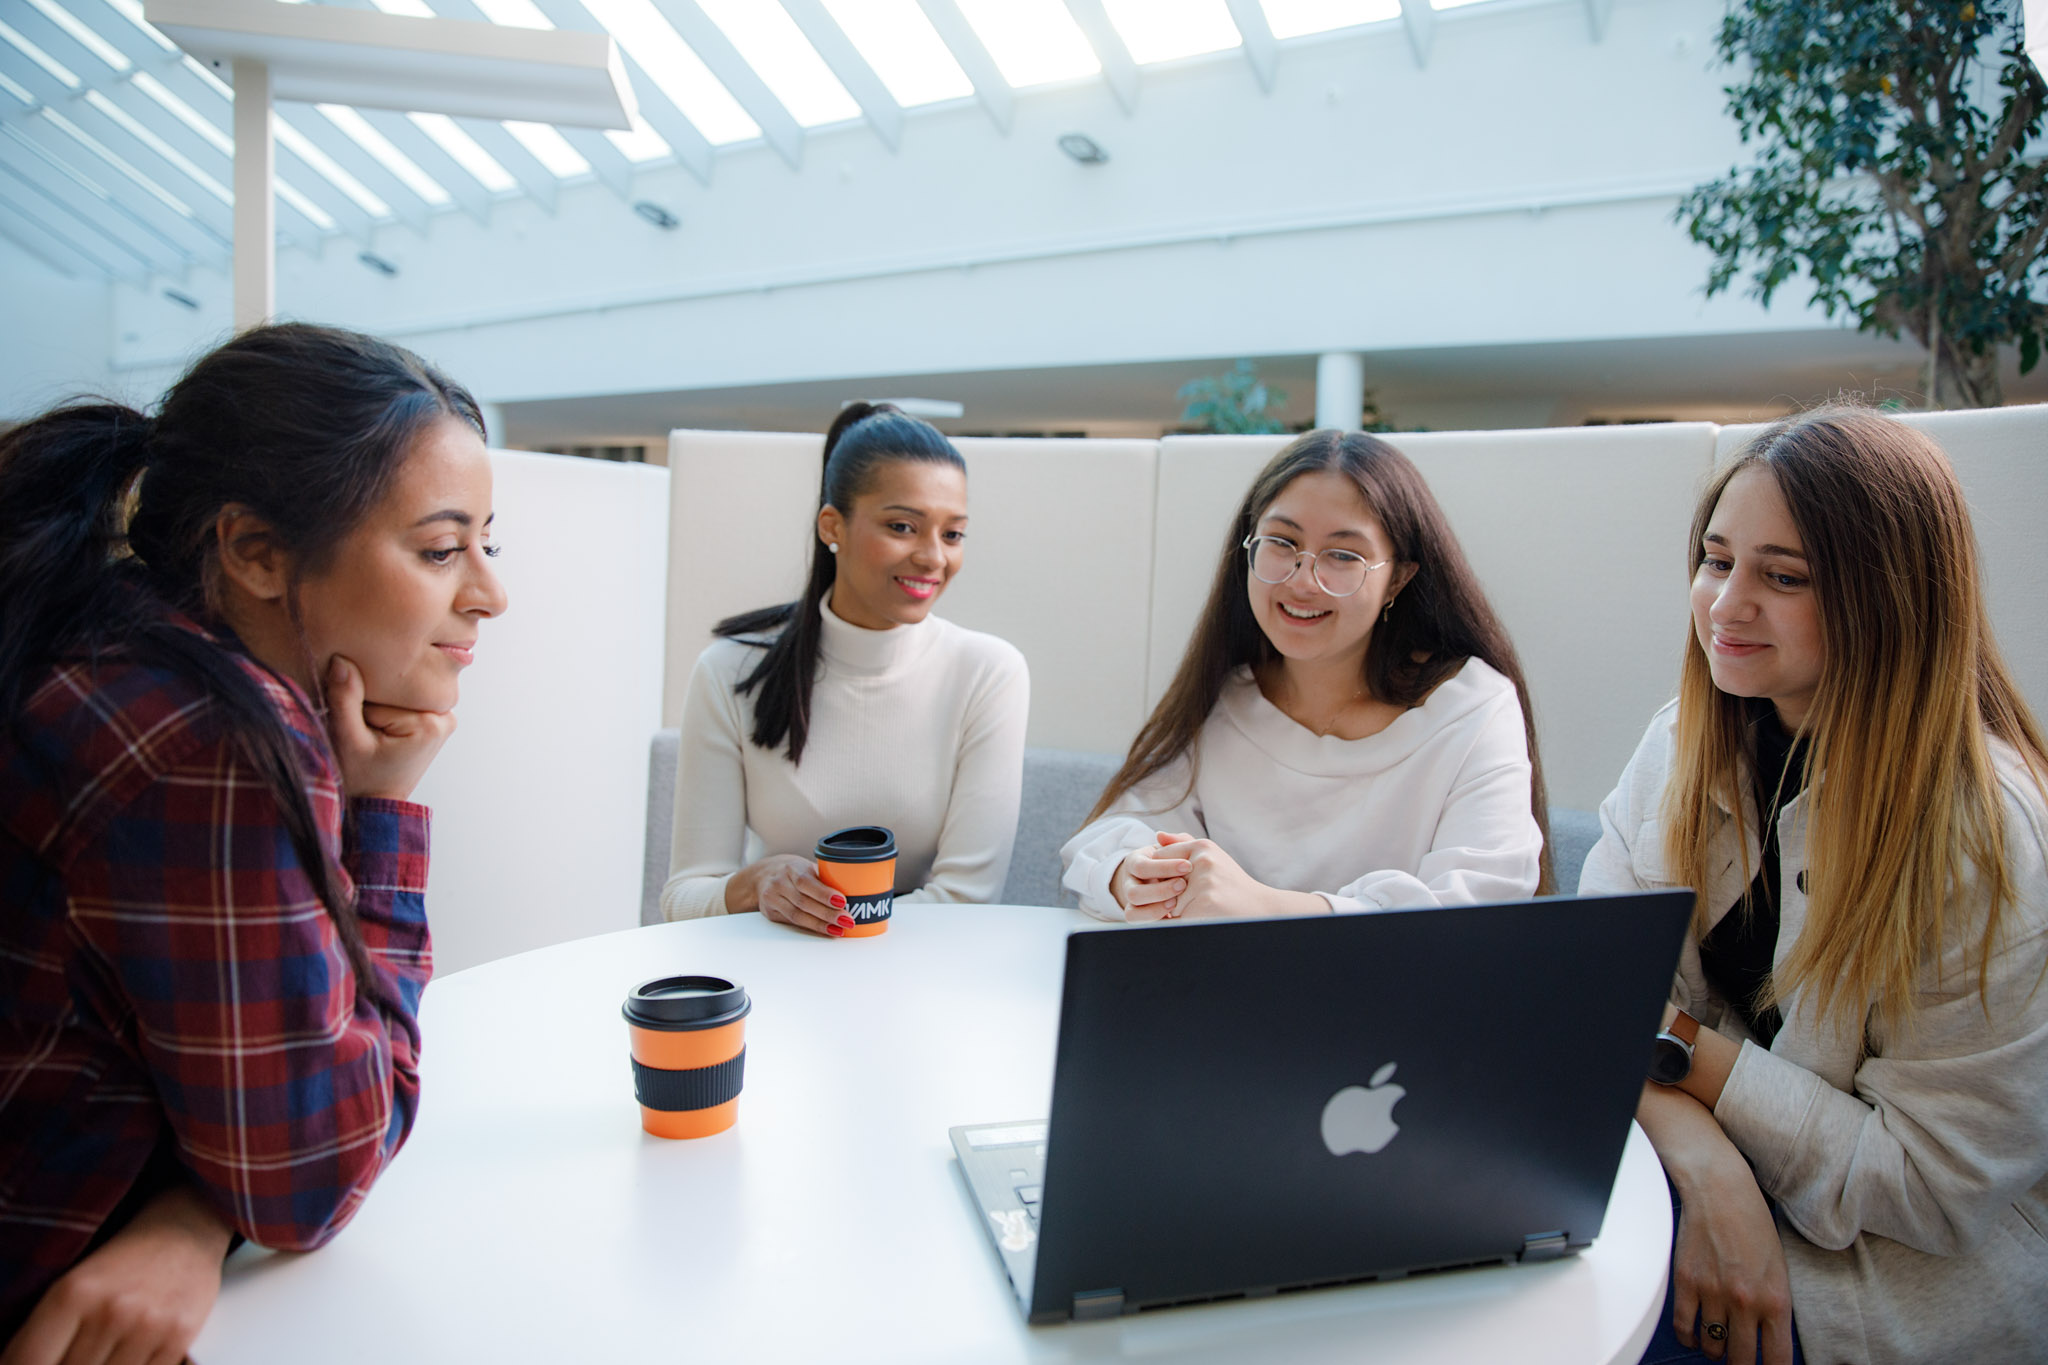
[(1387, 612), (833, 546)]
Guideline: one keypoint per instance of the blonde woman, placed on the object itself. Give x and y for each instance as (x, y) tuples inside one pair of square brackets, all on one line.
[(1851, 1092)]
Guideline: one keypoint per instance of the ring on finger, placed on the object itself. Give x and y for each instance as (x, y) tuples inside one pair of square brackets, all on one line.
[(1716, 1331)]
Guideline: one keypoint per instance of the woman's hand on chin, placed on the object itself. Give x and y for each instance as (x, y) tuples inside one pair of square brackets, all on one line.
[(141, 1297), (785, 888), (383, 750), (1217, 888)]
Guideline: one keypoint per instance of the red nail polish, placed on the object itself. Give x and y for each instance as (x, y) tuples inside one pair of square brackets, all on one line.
[(846, 921), (838, 901), (835, 931)]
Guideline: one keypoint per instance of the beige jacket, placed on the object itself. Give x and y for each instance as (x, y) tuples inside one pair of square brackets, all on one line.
[(1910, 1172)]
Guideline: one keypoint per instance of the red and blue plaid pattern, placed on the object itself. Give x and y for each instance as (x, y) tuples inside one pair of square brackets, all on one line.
[(170, 981)]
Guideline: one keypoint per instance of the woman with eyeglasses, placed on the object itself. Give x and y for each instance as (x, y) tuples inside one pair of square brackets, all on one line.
[(1348, 729), (1850, 1093), (854, 705)]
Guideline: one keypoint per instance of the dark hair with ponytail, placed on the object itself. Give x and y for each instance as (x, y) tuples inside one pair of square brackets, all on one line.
[(863, 438), (304, 426), (1435, 623)]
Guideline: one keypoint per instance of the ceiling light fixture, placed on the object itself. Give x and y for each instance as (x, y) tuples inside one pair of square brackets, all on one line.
[(378, 264), (927, 407), (656, 214), (1083, 149)]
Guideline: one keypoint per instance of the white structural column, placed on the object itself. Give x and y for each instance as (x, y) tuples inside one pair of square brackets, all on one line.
[(255, 197), (1340, 390)]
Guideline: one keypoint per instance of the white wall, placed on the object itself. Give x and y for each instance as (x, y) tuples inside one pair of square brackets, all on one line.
[(56, 336), (540, 797)]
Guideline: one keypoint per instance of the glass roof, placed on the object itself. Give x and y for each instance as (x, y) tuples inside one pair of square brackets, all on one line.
[(100, 115)]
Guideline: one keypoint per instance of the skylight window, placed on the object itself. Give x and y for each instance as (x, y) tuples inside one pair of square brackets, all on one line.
[(205, 73), (1161, 30), (467, 153), (517, 13), (327, 167), (679, 72), (141, 133), (379, 146), (549, 148), (132, 9), (91, 41), (106, 154), (11, 88), (183, 112), (1032, 41), (778, 51), (906, 52), (411, 9), (1294, 18), (1452, 4), (40, 57), (640, 143)]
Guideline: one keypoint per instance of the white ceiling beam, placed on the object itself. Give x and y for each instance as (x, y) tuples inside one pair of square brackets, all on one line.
[(693, 150), (348, 154), (1261, 49), (739, 78), (1598, 12), (131, 247), (607, 162), (1117, 67), (52, 94), (190, 239), (450, 174), (822, 31), (508, 151), (209, 104), (1420, 20), (62, 251), (967, 48)]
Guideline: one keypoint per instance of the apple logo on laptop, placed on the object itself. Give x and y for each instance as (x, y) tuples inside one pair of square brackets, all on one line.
[(1358, 1119)]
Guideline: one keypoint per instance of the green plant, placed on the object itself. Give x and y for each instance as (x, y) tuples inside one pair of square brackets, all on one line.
[(1236, 403), (1893, 172)]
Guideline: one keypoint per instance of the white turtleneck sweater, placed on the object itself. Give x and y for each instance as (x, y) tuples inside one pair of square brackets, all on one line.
[(919, 728), (1432, 810)]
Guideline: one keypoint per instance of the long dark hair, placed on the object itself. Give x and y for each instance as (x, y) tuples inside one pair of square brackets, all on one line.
[(305, 426), (1438, 621), (863, 438)]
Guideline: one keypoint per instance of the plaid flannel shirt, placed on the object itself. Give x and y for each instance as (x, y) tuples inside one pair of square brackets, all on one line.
[(174, 1000)]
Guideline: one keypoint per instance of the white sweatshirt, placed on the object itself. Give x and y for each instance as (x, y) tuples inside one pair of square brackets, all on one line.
[(919, 728), (1432, 810), (1910, 1167)]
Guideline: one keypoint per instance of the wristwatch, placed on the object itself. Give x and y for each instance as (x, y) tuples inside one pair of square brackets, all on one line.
[(1671, 1056)]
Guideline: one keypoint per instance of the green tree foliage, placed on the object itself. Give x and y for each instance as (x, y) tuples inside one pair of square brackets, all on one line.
[(1893, 172), (1237, 403)]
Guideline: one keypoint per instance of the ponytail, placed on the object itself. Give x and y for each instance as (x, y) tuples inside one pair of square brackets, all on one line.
[(863, 437), (306, 426)]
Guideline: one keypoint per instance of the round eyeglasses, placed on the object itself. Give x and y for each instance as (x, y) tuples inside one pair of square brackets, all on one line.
[(1339, 573)]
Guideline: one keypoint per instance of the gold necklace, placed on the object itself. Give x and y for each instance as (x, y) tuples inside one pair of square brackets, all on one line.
[(1338, 714)]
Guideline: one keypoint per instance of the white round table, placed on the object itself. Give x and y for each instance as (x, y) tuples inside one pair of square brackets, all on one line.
[(529, 1219)]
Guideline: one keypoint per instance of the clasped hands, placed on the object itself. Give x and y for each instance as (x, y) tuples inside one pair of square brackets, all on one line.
[(1183, 877)]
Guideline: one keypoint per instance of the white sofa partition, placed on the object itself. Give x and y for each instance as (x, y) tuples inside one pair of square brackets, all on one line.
[(1094, 557), (540, 796)]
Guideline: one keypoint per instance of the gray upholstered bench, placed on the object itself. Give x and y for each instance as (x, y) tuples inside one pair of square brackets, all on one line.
[(1060, 787)]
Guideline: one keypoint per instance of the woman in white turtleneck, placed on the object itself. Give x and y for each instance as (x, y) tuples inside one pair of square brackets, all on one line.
[(1348, 730), (854, 705)]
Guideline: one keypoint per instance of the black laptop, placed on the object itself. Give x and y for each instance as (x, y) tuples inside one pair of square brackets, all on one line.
[(1244, 1108)]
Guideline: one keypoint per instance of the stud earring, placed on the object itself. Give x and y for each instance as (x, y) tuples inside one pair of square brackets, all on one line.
[(833, 546)]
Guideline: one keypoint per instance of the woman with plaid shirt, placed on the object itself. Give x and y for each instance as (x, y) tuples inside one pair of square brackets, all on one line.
[(230, 637)]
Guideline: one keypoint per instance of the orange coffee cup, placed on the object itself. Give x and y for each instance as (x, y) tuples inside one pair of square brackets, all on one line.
[(689, 1038), (860, 864)]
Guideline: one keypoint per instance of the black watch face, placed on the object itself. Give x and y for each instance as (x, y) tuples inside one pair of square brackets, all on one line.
[(1670, 1061)]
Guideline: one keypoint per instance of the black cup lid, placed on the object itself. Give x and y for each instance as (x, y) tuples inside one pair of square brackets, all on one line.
[(686, 1002), (858, 844)]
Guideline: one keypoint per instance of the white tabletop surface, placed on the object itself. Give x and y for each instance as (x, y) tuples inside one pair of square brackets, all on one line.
[(529, 1219)]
